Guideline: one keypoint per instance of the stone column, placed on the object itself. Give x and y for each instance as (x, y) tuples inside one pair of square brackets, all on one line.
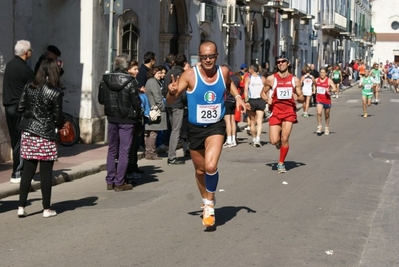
[(248, 51), (164, 46), (183, 44)]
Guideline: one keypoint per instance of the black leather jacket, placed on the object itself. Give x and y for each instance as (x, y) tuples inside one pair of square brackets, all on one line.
[(42, 110), (119, 93)]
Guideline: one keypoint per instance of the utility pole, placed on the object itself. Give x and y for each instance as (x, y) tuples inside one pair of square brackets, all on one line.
[(110, 51)]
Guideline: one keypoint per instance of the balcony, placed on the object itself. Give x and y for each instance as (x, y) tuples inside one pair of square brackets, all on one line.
[(247, 2), (277, 4), (334, 21)]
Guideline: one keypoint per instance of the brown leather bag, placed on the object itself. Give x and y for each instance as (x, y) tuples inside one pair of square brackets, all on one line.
[(67, 134)]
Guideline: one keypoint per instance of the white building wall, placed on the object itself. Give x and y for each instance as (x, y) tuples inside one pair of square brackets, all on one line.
[(382, 24)]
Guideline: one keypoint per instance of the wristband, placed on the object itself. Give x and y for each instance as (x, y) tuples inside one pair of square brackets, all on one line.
[(237, 96)]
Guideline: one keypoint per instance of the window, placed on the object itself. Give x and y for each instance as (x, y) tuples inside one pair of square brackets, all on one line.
[(395, 25), (130, 41)]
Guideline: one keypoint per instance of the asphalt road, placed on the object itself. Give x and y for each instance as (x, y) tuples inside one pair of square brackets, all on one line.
[(337, 205)]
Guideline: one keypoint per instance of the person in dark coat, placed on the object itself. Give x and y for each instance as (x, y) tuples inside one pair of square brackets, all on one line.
[(41, 108), (16, 75), (119, 93), (51, 52)]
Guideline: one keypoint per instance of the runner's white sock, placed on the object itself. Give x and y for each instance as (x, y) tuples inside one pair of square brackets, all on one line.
[(229, 139)]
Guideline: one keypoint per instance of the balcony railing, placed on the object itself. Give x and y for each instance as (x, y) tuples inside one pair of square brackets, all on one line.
[(333, 20)]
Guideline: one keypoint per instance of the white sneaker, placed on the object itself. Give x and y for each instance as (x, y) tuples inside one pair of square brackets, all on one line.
[(319, 129), (226, 144), (21, 212), (257, 143), (49, 213), (15, 180)]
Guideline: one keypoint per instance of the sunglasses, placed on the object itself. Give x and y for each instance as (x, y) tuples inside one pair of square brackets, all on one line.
[(205, 57), (281, 61)]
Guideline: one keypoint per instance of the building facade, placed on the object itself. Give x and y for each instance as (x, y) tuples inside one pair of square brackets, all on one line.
[(386, 27), (246, 31)]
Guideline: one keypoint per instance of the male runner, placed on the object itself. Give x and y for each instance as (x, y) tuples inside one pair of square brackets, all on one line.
[(255, 104), (395, 76), (286, 89), (205, 86)]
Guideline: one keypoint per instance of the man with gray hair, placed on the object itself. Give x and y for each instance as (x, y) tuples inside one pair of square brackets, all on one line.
[(119, 93), (16, 75)]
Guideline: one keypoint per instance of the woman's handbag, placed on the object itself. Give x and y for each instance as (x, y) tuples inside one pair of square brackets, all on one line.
[(155, 113), (66, 134)]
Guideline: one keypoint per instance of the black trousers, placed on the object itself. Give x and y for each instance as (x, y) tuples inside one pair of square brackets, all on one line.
[(134, 148), (13, 119), (46, 181)]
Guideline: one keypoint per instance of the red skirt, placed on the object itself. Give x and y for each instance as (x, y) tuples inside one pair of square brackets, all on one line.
[(36, 147)]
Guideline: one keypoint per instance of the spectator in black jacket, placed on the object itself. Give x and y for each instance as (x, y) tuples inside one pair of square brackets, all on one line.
[(41, 108), (175, 109), (148, 63), (119, 93), (16, 75)]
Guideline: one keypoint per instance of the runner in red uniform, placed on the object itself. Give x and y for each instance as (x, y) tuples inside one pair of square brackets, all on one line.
[(324, 87), (286, 90)]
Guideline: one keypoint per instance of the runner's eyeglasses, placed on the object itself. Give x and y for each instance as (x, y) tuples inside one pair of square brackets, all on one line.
[(205, 57)]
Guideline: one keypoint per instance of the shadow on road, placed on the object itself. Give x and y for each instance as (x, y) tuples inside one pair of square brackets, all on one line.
[(68, 205), (13, 204), (288, 165), (223, 215)]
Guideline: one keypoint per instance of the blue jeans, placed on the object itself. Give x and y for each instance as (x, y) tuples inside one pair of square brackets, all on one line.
[(119, 140)]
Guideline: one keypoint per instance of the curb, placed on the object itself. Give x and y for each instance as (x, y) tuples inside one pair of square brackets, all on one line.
[(60, 177)]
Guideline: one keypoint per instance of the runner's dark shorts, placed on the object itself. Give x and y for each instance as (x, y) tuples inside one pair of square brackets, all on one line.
[(198, 134), (230, 108), (257, 104), (338, 81)]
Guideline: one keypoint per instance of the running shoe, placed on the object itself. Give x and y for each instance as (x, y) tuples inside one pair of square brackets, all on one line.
[(233, 144), (306, 115), (226, 144), (365, 115), (319, 129), (257, 143), (281, 168), (327, 131), (208, 216)]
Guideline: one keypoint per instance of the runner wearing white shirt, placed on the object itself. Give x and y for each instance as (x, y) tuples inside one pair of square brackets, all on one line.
[(254, 103)]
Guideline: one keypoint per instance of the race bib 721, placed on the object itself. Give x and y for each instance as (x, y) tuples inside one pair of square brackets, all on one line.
[(284, 92), (321, 90)]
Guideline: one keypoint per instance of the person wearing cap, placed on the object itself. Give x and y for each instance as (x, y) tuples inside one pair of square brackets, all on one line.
[(286, 89), (51, 52)]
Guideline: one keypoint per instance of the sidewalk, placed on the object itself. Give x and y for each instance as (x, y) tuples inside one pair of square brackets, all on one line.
[(73, 163)]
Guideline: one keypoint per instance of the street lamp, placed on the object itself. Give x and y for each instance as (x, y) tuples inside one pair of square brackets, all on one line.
[(313, 38)]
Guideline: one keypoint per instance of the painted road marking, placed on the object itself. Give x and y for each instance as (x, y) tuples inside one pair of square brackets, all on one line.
[(352, 100), (394, 100)]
